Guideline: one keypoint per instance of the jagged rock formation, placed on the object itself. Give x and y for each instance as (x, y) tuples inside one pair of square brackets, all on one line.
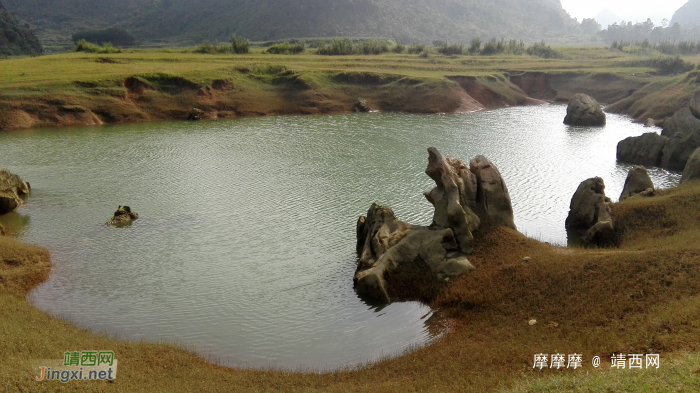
[(638, 182), (11, 187), (16, 37), (123, 216), (360, 106), (670, 150), (583, 110), (589, 214), (386, 245), (691, 171)]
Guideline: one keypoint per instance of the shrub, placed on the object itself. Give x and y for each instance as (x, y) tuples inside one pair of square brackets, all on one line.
[(450, 49), (285, 48), (372, 47), (415, 49), (666, 65), (399, 48), (115, 35), (542, 50), (212, 48), (337, 47), (84, 46), (475, 46), (239, 45)]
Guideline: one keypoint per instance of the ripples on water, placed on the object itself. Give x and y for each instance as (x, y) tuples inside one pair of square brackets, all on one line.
[(245, 246)]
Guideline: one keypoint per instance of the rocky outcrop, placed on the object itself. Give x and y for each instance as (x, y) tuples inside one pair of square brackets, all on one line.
[(678, 150), (694, 105), (670, 150), (196, 114), (637, 182), (644, 150), (360, 106), (583, 110), (589, 214), (123, 216), (682, 121), (11, 187), (691, 172), (463, 198)]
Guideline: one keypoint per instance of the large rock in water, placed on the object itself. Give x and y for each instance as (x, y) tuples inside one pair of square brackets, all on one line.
[(11, 187), (691, 172), (583, 110), (646, 149), (589, 214), (386, 245), (637, 182)]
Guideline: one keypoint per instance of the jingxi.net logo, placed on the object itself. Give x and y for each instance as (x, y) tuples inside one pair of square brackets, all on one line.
[(79, 366)]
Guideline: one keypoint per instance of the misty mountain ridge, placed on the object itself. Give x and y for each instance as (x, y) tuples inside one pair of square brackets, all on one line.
[(16, 37), (406, 21), (688, 15)]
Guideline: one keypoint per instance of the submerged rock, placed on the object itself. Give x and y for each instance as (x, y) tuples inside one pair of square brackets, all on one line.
[(589, 214), (11, 187), (637, 182), (646, 149), (386, 246), (583, 110), (122, 216), (691, 172)]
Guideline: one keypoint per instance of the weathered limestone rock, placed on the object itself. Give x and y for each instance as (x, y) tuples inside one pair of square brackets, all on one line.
[(123, 216), (583, 110), (454, 198), (11, 187), (692, 168), (492, 201), (646, 149), (385, 244), (637, 182), (678, 150), (589, 214), (694, 105), (196, 114)]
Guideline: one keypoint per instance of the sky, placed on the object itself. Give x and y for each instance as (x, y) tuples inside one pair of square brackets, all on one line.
[(629, 10)]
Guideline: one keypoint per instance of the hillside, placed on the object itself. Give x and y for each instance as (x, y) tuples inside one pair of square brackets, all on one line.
[(16, 38), (181, 22), (688, 15)]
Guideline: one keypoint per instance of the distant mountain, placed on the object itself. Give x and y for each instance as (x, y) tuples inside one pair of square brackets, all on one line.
[(189, 22), (16, 37), (688, 15), (607, 18)]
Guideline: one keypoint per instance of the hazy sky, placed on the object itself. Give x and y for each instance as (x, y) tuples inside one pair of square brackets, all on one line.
[(629, 10)]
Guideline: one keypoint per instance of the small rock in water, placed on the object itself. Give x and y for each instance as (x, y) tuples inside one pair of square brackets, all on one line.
[(123, 215)]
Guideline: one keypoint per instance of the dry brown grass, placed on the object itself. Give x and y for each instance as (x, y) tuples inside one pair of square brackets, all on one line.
[(641, 298)]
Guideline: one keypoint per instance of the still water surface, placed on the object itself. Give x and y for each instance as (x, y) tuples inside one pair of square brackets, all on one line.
[(245, 246)]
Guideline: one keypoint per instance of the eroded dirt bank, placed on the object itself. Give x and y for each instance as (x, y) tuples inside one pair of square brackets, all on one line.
[(152, 97)]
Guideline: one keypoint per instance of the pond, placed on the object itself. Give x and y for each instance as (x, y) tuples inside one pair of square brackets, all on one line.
[(245, 249)]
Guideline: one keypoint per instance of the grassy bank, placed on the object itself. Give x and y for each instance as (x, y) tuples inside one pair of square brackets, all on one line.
[(641, 298), (141, 85)]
